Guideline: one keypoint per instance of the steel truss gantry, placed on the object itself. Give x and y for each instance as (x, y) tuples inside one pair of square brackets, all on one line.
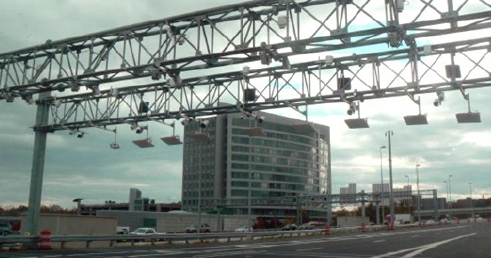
[(112, 64), (319, 202), (314, 200), (408, 72), (268, 46)]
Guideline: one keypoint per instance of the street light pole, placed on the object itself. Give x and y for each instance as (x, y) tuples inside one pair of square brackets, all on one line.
[(391, 197), (198, 227), (472, 205), (410, 194), (450, 190), (419, 195), (446, 187), (381, 185)]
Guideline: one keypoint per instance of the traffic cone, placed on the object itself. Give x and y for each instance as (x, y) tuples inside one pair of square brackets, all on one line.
[(390, 225), (327, 230), (363, 228)]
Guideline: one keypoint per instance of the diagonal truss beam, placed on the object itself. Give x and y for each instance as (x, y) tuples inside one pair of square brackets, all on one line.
[(407, 72), (224, 36)]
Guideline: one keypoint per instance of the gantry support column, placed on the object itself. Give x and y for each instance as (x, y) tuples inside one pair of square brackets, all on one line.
[(37, 171)]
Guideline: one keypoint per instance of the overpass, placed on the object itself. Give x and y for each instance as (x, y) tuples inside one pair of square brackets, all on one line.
[(480, 210)]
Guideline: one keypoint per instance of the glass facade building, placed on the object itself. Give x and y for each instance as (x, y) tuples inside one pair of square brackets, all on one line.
[(292, 158)]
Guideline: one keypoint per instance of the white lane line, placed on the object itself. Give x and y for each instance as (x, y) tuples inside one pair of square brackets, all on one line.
[(380, 241), (434, 245), (421, 249), (308, 249), (243, 253), (159, 252)]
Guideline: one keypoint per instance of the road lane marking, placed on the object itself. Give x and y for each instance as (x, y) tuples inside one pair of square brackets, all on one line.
[(434, 245), (228, 254), (379, 241), (420, 249), (308, 249), (415, 236)]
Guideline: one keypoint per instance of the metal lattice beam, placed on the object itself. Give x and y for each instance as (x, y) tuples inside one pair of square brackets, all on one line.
[(219, 37), (318, 201), (406, 72)]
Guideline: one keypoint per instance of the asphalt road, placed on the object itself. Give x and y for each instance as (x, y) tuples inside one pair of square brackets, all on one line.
[(463, 240)]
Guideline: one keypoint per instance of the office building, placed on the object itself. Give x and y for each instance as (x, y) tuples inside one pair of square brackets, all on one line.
[(135, 194), (233, 161), (348, 194), (136, 203), (399, 194)]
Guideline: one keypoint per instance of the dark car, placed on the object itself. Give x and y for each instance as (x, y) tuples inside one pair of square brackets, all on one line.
[(205, 228), (5, 229), (305, 226)]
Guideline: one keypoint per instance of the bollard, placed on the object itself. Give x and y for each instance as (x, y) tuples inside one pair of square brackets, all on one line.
[(468, 220), (45, 240), (327, 230), (363, 228)]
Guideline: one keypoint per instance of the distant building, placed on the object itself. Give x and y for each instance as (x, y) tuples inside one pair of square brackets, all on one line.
[(429, 203), (136, 203), (91, 209), (348, 194), (399, 194), (135, 194)]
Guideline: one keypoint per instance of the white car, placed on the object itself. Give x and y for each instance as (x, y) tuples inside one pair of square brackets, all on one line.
[(147, 232), (143, 231), (244, 229), (430, 222)]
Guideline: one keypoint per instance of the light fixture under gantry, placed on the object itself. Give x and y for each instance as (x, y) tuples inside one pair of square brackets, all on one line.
[(468, 117)]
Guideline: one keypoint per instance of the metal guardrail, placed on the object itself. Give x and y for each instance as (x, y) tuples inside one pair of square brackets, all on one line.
[(183, 237)]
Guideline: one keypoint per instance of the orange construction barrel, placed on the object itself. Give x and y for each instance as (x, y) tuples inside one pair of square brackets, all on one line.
[(45, 241)]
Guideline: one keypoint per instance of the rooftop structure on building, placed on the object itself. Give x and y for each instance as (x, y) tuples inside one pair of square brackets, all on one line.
[(136, 203)]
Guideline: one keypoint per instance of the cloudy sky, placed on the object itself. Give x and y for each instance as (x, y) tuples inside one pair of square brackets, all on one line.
[(88, 168)]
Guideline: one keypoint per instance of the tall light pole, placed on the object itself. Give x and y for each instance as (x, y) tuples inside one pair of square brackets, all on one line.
[(472, 205), (446, 187), (419, 196), (391, 196), (381, 185), (450, 190), (410, 194)]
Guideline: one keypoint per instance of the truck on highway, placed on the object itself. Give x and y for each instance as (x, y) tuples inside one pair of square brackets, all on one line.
[(403, 218)]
